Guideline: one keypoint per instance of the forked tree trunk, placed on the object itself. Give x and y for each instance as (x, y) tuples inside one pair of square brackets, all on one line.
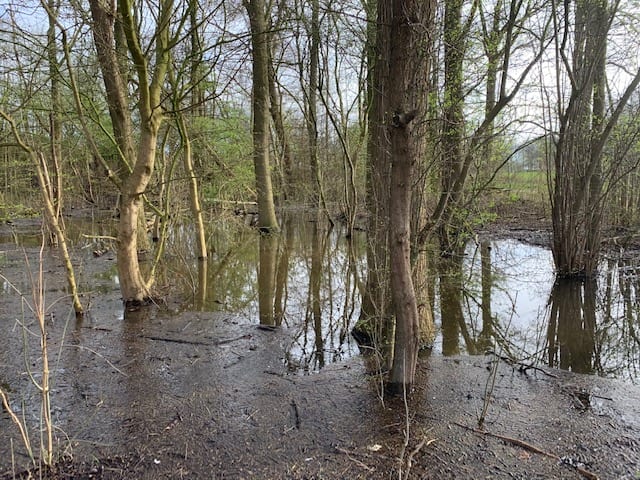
[(135, 289), (578, 198)]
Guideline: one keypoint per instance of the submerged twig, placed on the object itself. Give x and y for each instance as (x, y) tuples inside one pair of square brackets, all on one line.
[(194, 342)]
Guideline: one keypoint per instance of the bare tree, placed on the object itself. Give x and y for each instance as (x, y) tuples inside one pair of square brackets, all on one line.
[(256, 9), (578, 196), (109, 20), (460, 151)]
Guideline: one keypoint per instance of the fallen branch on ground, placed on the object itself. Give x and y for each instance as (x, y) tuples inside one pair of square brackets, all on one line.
[(522, 367), (355, 460), (531, 448), (193, 342)]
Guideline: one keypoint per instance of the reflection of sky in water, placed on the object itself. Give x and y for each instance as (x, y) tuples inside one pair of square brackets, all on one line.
[(522, 280), (523, 277)]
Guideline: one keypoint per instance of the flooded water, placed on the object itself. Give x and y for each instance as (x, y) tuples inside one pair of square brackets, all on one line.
[(510, 303), (500, 296)]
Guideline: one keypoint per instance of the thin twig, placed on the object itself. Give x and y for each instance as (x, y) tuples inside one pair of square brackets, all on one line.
[(82, 347), (413, 454), (532, 448), (355, 460), (16, 420)]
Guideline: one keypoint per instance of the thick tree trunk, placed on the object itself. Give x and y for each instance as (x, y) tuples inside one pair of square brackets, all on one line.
[(408, 48), (133, 286), (405, 307), (451, 314), (267, 279), (267, 221), (375, 325)]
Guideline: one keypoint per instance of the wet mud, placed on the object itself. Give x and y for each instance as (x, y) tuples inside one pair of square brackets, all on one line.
[(160, 393)]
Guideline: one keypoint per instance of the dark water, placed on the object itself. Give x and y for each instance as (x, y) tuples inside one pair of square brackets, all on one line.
[(500, 296)]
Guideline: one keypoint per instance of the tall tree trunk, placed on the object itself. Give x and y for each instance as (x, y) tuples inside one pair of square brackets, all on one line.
[(55, 134), (267, 279), (267, 221), (194, 191), (312, 101), (375, 324), (425, 134), (408, 49), (281, 134), (451, 313), (453, 123)]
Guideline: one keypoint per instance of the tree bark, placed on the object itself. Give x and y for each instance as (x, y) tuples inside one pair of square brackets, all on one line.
[(312, 100), (409, 45), (267, 279), (453, 124), (267, 221), (375, 325), (138, 164), (578, 199)]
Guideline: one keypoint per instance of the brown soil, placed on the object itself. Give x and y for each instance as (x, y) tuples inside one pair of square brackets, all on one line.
[(207, 396)]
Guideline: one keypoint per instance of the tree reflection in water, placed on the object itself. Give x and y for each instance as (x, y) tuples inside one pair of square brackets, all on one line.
[(586, 326), (303, 281), (572, 325), (501, 294)]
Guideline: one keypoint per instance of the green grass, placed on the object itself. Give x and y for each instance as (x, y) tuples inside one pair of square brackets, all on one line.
[(523, 185)]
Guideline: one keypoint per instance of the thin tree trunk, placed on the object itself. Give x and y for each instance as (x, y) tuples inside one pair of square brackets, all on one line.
[(312, 101), (194, 193), (51, 217), (281, 134), (55, 134)]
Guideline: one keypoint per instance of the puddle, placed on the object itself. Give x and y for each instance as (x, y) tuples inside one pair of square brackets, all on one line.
[(305, 282), (582, 327)]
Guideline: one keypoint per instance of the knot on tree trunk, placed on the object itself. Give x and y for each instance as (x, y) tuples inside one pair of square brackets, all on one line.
[(402, 119)]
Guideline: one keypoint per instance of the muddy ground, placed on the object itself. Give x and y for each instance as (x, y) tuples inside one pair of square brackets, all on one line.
[(197, 395)]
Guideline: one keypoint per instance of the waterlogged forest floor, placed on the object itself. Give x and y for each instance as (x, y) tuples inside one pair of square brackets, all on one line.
[(162, 394)]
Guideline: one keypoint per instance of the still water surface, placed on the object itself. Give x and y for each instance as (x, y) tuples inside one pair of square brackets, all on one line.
[(500, 296)]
